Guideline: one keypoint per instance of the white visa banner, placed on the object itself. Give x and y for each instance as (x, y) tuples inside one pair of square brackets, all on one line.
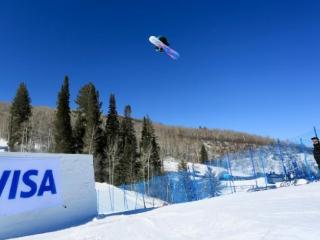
[(28, 184)]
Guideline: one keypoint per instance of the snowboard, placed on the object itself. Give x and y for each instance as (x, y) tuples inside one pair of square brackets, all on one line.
[(169, 51)]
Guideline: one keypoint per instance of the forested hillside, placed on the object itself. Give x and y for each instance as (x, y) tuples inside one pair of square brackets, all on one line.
[(178, 142)]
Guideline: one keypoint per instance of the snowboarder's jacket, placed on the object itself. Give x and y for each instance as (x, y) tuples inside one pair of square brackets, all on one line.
[(316, 153)]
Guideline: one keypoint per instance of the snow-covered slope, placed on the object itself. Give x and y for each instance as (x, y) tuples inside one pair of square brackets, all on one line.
[(172, 165), (113, 200), (264, 160), (282, 214), (269, 159)]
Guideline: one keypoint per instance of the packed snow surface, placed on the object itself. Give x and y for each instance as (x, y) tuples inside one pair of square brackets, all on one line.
[(283, 214), (112, 200)]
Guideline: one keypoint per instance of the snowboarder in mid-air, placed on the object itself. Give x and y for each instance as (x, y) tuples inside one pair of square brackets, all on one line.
[(164, 41), (316, 150), (162, 45)]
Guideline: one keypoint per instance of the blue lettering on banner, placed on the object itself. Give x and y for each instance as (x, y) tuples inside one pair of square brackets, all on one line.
[(3, 180), (47, 183), (14, 184), (48, 177), (31, 184)]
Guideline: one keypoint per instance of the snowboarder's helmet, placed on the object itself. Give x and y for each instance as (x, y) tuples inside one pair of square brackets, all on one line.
[(164, 40)]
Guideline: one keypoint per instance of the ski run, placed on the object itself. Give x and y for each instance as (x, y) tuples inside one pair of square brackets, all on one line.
[(282, 214)]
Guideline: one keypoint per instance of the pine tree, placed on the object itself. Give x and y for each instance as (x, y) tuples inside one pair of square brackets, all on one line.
[(149, 150), (63, 131), (122, 169), (88, 133), (99, 156), (90, 116), (145, 149), (112, 137), (78, 133), (20, 113), (183, 166), (146, 135), (155, 156), (127, 151), (203, 154)]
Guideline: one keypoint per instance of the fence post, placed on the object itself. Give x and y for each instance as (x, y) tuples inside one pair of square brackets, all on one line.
[(295, 166), (136, 191), (125, 204), (98, 201), (194, 187), (230, 173), (210, 178), (315, 131), (282, 160), (305, 160), (263, 167), (253, 166), (111, 196)]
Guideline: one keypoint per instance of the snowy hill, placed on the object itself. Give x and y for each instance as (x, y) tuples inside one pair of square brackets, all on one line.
[(265, 168), (171, 164), (274, 158), (114, 200), (282, 214)]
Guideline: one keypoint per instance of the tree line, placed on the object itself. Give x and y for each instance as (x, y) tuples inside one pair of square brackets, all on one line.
[(119, 157)]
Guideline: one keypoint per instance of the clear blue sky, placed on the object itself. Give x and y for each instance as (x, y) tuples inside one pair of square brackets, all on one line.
[(252, 66)]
